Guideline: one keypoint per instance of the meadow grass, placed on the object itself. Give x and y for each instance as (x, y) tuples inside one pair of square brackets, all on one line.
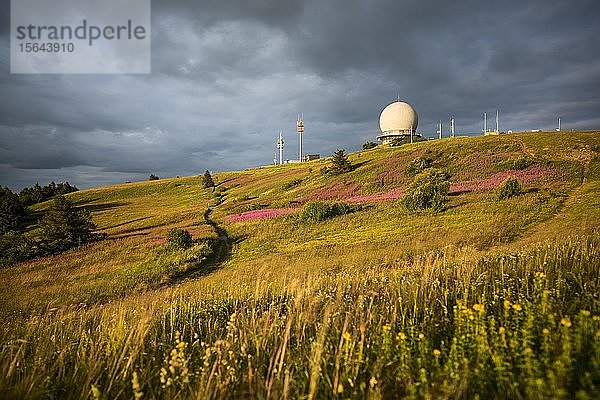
[(521, 325)]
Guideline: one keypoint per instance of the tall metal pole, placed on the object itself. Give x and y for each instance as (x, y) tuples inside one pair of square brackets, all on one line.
[(300, 126), (440, 129), (497, 121), (452, 126), (280, 144), (484, 123), (558, 124)]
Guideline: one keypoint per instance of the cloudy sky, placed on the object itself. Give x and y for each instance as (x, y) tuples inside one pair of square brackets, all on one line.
[(227, 75)]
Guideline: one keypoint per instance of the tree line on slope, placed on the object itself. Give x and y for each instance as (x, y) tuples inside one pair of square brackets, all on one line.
[(62, 227)]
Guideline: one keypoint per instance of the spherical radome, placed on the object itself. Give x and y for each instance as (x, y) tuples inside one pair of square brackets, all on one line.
[(398, 117)]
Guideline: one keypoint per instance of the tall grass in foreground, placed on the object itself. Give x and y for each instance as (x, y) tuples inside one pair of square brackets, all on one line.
[(522, 325)]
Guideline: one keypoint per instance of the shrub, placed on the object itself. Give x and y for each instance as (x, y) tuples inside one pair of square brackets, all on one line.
[(14, 247), (368, 145), (65, 226), (511, 187), (518, 164), (153, 177), (417, 166), (179, 238), (340, 163), (428, 190), (207, 180), (317, 211)]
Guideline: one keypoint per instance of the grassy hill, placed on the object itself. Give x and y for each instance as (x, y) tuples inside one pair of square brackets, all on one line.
[(497, 298)]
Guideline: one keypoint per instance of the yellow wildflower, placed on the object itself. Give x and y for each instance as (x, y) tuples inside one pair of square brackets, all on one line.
[(585, 313), (372, 381), (506, 304), (347, 336), (546, 331), (401, 336), (517, 307), (501, 330), (478, 307), (421, 336), (437, 353), (566, 322)]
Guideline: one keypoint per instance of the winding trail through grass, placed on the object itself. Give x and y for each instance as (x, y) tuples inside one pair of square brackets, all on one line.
[(224, 250), (221, 253)]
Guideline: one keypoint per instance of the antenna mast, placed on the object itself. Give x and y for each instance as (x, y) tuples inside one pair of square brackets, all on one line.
[(452, 126), (300, 126), (484, 123), (280, 144), (497, 121)]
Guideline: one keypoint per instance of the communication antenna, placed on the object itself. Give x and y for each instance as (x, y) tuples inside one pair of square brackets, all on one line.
[(484, 123), (558, 129), (497, 121), (280, 144), (452, 126), (300, 126), (440, 129)]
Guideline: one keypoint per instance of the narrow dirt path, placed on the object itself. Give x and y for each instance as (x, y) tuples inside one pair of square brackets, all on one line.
[(220, 254), (224, 250)]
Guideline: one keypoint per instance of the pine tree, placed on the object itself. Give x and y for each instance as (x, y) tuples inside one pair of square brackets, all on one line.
[(64, 226), (207, 180), (340, 163), (11, 211)]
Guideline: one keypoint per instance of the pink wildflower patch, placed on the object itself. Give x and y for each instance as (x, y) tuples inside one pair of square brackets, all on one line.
[(336, 190), (525, 176), (259, 214), (393, 194)]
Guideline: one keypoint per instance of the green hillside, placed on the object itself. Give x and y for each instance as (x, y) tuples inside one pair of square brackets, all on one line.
[(490, 298)]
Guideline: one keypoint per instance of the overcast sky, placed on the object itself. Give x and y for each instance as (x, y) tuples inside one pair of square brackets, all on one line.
[(228, 75)]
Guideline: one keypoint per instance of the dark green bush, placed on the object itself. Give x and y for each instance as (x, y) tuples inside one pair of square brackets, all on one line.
[(511, 187), (428, 190), (406, 139), (518, 163), (417, 166), (369, 145), (317, 211), (179, 238), (153, 177), (14, 247)]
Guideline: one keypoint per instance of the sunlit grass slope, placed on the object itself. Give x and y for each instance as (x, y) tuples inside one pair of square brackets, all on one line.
[(490, 298)]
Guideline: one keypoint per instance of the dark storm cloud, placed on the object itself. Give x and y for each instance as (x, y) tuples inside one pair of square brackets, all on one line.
[(228, 75)]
